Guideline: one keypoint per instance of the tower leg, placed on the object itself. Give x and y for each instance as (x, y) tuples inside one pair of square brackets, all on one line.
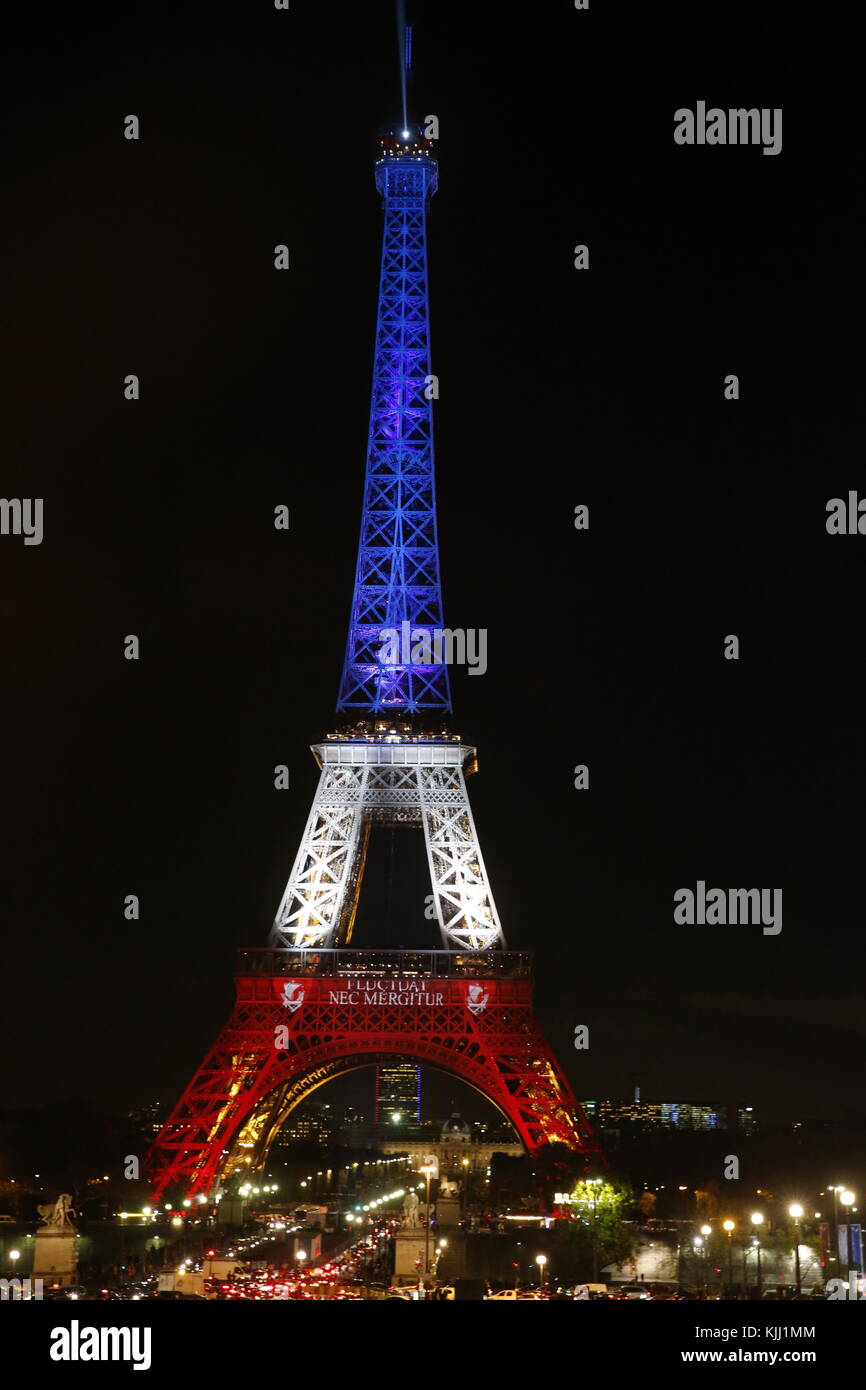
[(318, 905), (464, 902)]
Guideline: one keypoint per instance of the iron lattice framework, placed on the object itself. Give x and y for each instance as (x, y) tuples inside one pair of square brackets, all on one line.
[(397, 584), (307, 1009), (388, 778)]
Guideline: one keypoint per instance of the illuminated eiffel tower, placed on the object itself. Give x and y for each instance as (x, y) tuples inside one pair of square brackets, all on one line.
[(309, 1006)]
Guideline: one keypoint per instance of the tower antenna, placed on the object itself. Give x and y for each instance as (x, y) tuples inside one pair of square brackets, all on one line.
[(404, 49)]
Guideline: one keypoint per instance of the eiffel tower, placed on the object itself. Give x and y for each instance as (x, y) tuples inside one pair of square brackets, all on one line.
[(309, 1006)]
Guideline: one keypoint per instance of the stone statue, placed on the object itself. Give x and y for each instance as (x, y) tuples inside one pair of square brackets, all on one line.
[(410, 1209), (58, 1217)]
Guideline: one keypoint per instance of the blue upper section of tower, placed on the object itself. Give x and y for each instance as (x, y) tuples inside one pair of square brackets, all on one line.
[(393, 654)]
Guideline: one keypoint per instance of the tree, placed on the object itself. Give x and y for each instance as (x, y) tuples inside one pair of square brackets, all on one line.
[(599, 1232)]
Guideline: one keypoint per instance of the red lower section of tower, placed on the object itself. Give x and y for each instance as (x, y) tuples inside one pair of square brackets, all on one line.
[(289, 1033)]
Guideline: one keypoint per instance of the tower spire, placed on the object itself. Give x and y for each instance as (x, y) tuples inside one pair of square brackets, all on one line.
[(393, 660)]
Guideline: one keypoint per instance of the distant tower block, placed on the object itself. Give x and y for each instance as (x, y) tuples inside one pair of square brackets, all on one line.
[(398, 1093)]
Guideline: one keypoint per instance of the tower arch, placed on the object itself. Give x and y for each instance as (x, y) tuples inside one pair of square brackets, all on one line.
[(302, 1018)]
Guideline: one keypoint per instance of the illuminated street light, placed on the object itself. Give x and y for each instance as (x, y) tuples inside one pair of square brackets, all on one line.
[(428, 1170), (795, 1211), (701, 1254), (541, 1261), (846, 1197), (729, 1227), (757, 1244), (757, 1220)]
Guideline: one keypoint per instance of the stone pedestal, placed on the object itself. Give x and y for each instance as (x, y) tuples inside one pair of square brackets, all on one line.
[(447, 1213), (55, 1257), (409, 1247)]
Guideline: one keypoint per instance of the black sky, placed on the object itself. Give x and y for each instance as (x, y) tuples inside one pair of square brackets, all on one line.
[(557, 387)]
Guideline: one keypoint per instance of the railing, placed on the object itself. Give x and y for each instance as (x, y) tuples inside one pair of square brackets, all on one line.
[(479, 965)]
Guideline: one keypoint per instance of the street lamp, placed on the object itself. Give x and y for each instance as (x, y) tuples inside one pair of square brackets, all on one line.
[(464, 1187), (795, 1211), (700, 1255), (758, 1220), (541, 1261), (729, 1227), (843, 1194), (705, 1232), (847, 1199), (428, 1170)]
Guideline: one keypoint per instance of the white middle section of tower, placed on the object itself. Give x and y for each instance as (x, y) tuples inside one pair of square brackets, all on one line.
[(388, 782)]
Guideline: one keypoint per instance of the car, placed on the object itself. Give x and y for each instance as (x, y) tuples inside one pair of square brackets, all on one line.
[(514, 1296)]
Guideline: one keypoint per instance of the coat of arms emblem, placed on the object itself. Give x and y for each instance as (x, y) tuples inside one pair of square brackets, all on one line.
[(293, 995), (476, 999)]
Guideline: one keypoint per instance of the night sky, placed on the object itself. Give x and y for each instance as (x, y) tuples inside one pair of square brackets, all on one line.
[(605, 387)]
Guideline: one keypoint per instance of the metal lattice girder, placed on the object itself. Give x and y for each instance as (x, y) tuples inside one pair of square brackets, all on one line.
[(397, 577), (479, 1029), (325, 874), (402, 782)]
